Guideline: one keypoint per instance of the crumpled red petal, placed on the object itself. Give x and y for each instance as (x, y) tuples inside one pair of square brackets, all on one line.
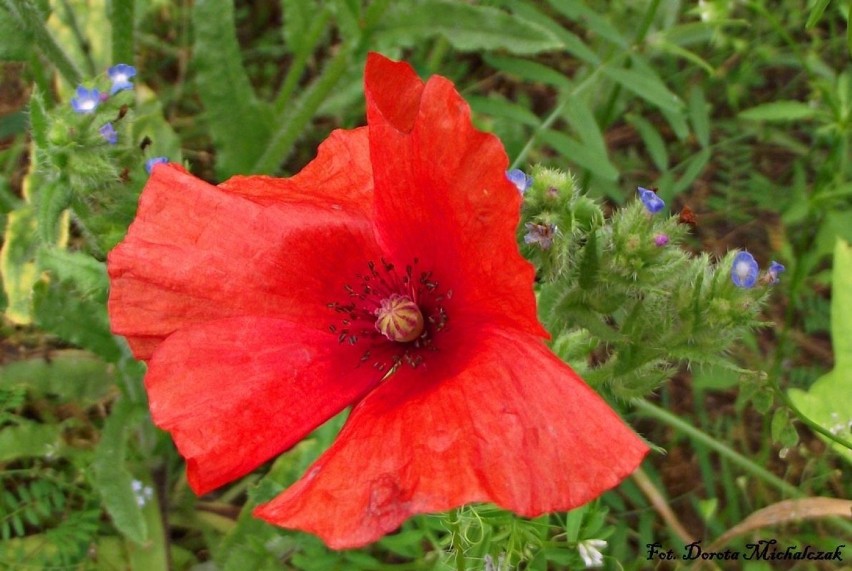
[(340, 178), (232, 256), (236, 392), (515, 427), (442, 196)]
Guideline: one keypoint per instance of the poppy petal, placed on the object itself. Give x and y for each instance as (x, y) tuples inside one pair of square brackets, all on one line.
[(340, 178), (442, 195), (515, 427), (236, 392), (197, 253)]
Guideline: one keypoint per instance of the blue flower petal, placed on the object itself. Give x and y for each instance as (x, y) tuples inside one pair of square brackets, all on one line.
[(150, 163), (649, 198), (744, 270), (774, 269), (86, 100), (107, 131), (520, 179), (120, 75)]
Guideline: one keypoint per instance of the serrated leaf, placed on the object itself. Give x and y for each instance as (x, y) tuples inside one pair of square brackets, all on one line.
[(112, 480), (239, 124), (28, 440), (829, 400), (466, 27), (779, 111)]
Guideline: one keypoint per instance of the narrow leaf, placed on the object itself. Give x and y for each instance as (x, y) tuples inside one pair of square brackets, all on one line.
[(646, 85), (779, 111), (466, 27), (239, 123)]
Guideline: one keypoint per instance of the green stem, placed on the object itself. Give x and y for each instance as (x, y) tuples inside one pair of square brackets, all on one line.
[(121, 18), (281, 143), (29, 18), (557, 111), (455, 530), (658, 413), (782, 395)]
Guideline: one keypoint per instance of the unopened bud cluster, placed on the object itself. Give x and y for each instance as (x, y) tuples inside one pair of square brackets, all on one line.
[(624, 302)]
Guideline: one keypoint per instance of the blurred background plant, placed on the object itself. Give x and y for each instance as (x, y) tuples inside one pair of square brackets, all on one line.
[(737, 112)]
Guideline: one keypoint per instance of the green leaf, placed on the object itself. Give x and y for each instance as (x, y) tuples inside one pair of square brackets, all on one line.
[(17, 264), (654, 143), (816, 13), (699, 116), (110, 477), (695, 165), (239, 124), (829, 400), (70, 301), (779, 111), (466, 27), (529, 70), (646, 84), (591, 20), (29, 440), (581, 154), (51, 201), (493, 107), (71, 374), (38, 118), (571, 42), (16, 44)]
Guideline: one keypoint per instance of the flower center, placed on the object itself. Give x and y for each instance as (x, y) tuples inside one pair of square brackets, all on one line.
[(395, 315), (399, 319)]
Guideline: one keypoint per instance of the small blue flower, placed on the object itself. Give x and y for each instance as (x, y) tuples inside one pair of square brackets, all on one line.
[(772, 273), (120, 75), (86, 101), (744, 270), (541, 234), (149, 164), (107, 131), (520, 179), (649, 198)]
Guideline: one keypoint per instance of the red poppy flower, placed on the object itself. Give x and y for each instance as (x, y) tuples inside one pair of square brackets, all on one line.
[(386, 276)]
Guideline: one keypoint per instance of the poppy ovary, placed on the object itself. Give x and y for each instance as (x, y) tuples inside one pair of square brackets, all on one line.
[(399, 318)]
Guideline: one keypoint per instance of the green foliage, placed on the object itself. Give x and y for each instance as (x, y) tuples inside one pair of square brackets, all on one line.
[(829, 400), (466, 27), (225, 90)]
